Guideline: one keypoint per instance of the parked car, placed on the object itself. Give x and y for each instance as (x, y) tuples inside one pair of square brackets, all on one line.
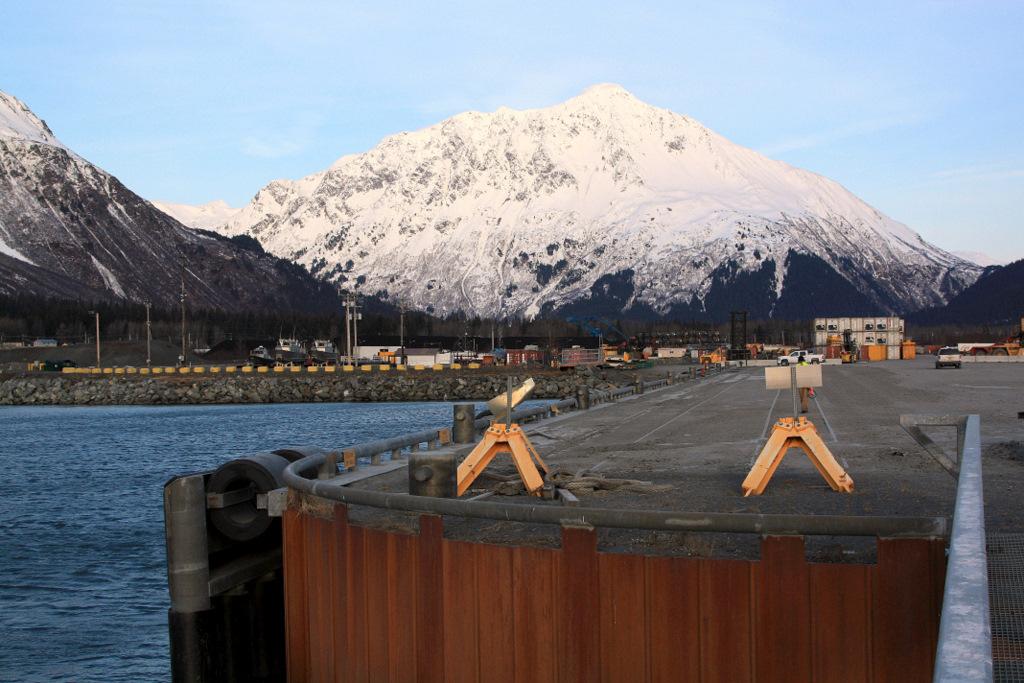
[(802, 355), (948, 356)]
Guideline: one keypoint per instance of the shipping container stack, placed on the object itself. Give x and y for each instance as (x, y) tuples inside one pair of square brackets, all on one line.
[(878, 338)]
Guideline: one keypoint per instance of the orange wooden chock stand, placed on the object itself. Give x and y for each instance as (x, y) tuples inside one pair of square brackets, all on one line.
[(800, 433), (500, 438)]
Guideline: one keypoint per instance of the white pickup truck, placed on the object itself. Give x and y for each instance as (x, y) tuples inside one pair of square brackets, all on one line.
[(796, 356)]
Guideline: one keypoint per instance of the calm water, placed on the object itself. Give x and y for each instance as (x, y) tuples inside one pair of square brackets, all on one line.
[(83, 593)]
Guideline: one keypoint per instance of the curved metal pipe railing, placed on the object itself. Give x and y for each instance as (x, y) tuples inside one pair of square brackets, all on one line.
[(301, 476)]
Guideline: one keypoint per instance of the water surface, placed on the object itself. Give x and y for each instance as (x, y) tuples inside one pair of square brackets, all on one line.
[(83, 588)]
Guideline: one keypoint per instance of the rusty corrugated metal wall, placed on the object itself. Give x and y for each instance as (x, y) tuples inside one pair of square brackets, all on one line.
[(368, 605)]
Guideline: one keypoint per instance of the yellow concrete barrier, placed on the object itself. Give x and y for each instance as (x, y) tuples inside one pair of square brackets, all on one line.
[(263, 368), (198, 370), (169, 369), (313, 368), (330, 368), (68, 371), (456, 366), (296, 368), (419, 367), (474, 366), (348, 368), (144, 371), (247, 368), (157, 371), (438, 367), (216, 368), (366, 368), (108, 371), (184, 370), (118, 371), (230, 368), (384, 368), (278, 368), (131, 371), (401, 367)]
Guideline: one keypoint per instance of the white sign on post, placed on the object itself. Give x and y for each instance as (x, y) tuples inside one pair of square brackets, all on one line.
[(779, 377)]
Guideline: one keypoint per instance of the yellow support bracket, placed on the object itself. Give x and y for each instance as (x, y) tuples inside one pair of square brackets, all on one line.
[(510, 439), (799, 433)]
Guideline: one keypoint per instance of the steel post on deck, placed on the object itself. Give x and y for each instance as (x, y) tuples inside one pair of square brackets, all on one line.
[(463, 429), (583, 397)]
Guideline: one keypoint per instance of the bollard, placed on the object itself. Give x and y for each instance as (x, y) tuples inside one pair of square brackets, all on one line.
[(583, 398), (463, 430), (432, 475), (639, 384), (668, 378)]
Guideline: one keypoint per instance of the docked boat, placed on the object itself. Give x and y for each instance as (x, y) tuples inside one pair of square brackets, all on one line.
[(324, 351), (260, 356), (289, 351)]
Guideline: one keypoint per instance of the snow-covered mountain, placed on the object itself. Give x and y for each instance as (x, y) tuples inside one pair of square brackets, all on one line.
[(204, 216), (980, 258), (599, 204), (70, 230)]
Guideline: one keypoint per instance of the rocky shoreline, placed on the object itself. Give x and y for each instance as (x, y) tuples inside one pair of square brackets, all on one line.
[(228, 389)]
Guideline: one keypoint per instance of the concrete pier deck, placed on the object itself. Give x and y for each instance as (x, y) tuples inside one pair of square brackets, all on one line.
[(699, 439)]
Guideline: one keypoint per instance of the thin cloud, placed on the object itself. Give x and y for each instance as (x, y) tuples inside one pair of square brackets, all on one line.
[(980, 173), (836, 134), (282, 143)]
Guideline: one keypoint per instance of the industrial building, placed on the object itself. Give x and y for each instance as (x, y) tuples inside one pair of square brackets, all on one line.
[(885, 331)]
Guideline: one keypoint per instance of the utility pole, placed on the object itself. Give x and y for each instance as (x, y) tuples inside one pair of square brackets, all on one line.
[(149, 337), (401, 331), (356, 315), (347, 303), (97, 314), (183, 352)]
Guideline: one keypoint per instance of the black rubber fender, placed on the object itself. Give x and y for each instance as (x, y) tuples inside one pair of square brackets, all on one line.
[(243, 521)]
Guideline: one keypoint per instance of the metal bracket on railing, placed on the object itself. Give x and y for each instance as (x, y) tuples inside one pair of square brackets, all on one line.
[(912, 425), (274, 502), (217, 501)]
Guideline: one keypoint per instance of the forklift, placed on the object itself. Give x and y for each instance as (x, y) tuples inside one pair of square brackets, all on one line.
[(849, 352)]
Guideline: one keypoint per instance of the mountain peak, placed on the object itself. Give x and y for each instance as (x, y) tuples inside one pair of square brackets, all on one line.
[(605, 90), (523, 212), (205, 216), (605, 95), (17, 121)]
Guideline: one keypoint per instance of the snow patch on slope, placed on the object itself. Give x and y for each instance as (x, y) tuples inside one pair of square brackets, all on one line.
[(13, 253), (108, 277)]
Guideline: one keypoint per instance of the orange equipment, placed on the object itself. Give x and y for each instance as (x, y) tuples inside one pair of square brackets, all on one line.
[(716, 356), (795, 433), (501, 438), (505, 436)]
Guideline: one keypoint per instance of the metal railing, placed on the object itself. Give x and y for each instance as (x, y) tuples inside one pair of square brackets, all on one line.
[(964, 652)]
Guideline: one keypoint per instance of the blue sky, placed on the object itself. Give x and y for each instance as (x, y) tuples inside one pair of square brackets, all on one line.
[(917, 107)]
